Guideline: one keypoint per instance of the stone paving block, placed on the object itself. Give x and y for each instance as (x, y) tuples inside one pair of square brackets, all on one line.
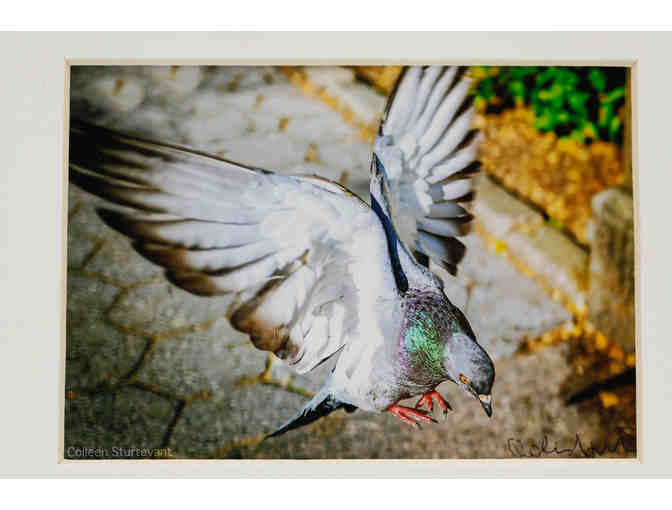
[(505, 315), (235, 78), (150, 121), (242, 412), (83, 220), (479, 265), (172, 82), (353, 156), (209, 134), (282, 99), (79, 250), (276, 151), (85, 223), (203, 361), (260, 122), (454, 288), (96, 352), (218, 102), (160, 307), (327, 125), (118, 419), (75, 199), (339, 82), (105, 90)]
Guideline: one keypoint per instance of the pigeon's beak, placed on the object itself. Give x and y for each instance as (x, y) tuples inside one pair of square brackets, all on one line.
[(486, 402)]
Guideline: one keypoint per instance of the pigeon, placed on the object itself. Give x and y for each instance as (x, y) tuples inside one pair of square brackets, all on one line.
[(317, 272)]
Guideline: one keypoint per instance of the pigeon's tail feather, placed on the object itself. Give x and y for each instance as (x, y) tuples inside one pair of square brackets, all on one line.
[(321, 405)]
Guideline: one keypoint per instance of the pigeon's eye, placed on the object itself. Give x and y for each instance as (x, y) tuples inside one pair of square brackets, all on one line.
[(464, 379)]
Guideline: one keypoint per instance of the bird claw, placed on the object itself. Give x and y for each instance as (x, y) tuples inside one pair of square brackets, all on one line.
[(428, 400), (412, 417)]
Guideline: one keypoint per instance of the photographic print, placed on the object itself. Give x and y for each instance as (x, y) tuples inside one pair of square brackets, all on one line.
[(349, 262)]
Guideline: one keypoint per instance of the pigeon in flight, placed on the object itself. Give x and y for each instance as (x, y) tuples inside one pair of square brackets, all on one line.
[(317, 271)]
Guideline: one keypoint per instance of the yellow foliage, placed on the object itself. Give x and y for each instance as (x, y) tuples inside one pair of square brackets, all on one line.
[(601, 341), (608, 399)]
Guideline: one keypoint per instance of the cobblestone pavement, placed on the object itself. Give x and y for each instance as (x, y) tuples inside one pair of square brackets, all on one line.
[(151, 366)]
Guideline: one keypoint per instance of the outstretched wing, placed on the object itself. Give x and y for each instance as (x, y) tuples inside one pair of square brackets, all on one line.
[(294, 248), (428, 149)]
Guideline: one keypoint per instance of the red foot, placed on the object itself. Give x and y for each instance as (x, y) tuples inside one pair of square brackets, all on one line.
[(410, 416), (428, 400)]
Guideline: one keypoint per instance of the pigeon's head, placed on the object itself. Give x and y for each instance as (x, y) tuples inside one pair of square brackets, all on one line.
[(467, 364)]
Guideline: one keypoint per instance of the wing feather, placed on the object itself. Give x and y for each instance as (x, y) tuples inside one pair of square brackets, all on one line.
[(429, 149), (286, 245), (204, 260)]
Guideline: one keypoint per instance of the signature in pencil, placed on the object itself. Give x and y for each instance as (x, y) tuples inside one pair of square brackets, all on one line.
[(625, 441)]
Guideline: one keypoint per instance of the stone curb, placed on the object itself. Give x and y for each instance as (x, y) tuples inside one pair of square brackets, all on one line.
[(540, 251)]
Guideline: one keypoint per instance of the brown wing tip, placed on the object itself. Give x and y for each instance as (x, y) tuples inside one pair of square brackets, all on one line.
[(195, 283)]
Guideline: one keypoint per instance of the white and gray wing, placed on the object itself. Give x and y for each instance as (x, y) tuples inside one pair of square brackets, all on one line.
[(429, 151), (290, 246)]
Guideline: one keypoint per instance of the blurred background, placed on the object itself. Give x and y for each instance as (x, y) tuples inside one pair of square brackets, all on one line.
[(547, 282)]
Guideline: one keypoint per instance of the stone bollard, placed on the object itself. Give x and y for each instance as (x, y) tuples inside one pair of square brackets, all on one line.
[(611, 300)]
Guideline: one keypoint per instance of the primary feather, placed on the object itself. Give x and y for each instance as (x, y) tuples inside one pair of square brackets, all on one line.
[(429, 152)]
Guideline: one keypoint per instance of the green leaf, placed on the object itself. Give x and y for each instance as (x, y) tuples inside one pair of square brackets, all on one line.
[(605, 114), (522, 72), (614, 95), (572, 80), (589, 130), (578, 136), (558, 102), (544, 121), (577, 101), (597, 79), (517, 89), (487, 88), (614, 127), (556, 90), (546, 76)]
